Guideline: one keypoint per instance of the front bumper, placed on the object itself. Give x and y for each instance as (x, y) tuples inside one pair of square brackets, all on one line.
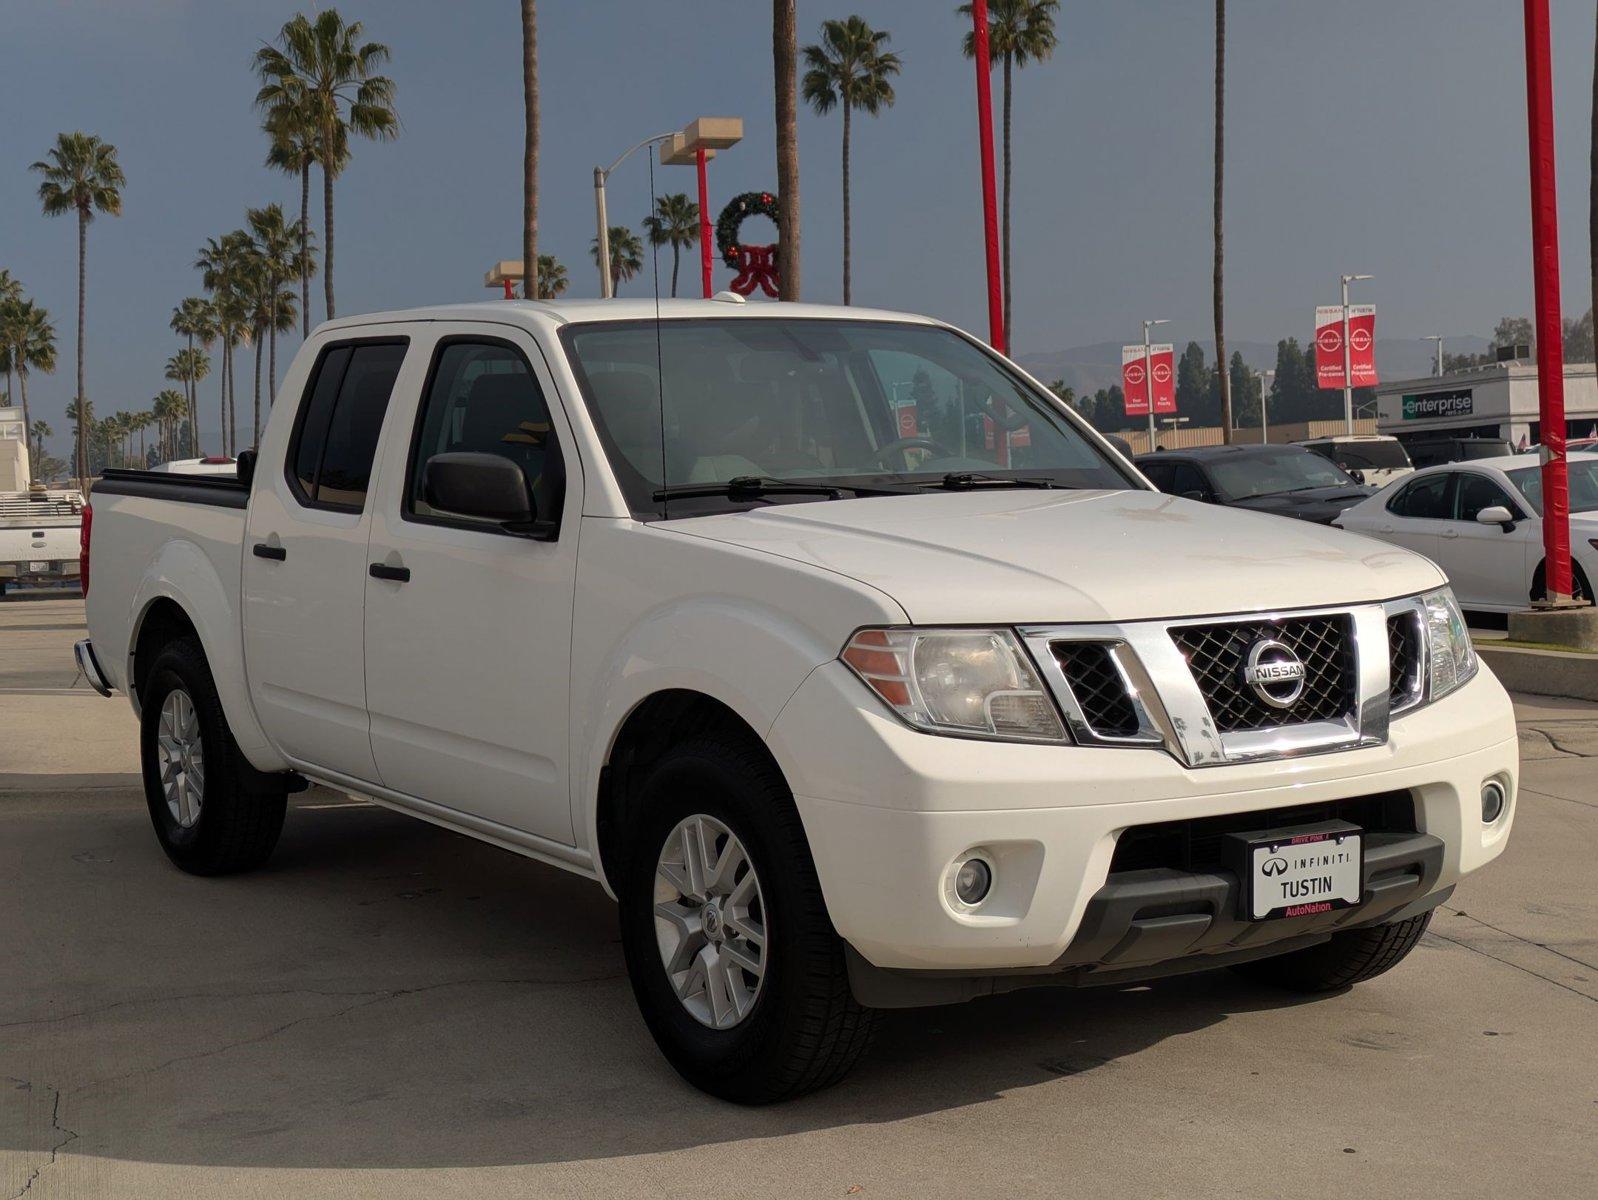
[(888, 810)]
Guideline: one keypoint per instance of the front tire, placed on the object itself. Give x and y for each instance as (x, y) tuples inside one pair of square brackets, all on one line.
[(734, 961), (214, 814), (1350, 957)]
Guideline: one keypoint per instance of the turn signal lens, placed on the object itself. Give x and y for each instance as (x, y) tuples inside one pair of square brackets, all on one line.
[(976, 682)]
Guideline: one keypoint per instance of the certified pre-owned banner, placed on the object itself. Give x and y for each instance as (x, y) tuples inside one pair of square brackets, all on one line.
[(1135, 386), (1329, 345)]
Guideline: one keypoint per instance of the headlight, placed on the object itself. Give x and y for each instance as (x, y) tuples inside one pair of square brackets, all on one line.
[(974, 682), (1451, 658)]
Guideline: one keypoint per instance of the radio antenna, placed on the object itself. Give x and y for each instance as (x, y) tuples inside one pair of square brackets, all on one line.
[(660, 367)]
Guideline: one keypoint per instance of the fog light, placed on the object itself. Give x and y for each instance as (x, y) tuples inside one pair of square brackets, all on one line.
[(972, 881), (1492, 801)]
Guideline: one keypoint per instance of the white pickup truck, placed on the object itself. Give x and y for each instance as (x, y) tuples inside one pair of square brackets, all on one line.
[(859, 670)]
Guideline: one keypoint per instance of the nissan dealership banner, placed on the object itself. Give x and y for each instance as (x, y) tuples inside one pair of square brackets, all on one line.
[(1329, 345), (1136, 387)]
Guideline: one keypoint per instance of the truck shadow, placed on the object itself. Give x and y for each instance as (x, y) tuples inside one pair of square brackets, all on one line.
[(388, 995)]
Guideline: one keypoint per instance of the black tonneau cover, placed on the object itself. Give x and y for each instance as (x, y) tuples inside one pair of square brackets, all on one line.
[(220, 491)]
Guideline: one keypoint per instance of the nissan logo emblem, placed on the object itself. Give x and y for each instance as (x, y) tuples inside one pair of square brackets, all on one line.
[(1360, 339), (1330, 338), (1274, 673), (1134, 373)]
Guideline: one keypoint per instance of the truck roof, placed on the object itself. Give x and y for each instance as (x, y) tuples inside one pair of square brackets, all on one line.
[(534, 313)]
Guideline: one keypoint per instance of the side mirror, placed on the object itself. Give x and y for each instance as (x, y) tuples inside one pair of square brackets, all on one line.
[(1356, 474), (1496, 514), (1201, 497), (485, 486), (246, 467)]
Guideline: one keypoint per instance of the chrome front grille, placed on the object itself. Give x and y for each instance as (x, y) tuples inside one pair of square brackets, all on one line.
[(1217, 654), (1181, 685)]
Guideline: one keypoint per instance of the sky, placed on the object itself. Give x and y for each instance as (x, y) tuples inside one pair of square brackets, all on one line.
[(1381, 136)]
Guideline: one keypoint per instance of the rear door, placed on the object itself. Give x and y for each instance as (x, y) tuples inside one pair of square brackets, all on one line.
[(305, 562), (468, 626), (1420, 517)]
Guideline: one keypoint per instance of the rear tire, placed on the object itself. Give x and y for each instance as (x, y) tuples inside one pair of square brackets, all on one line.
[(214, 813), (1348, 958), (803, 1030)]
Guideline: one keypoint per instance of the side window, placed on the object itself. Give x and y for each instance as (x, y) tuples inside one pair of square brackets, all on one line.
[(1477, 492), (340, 422), (1426, 498), (1159, 474), (1188, 478), (483, 398)]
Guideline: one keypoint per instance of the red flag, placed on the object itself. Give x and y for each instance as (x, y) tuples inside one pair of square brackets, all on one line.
[(1361, 345), (1134, 384)]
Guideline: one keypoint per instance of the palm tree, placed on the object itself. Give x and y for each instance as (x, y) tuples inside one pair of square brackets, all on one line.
[(81, 175), (188, 367), (194, 318), (167, 409), (674, 223), (551, 277), (850, 69), (40, 430), (626, 255), (1019, 32), (27, 338), (10, 289), (293, 151), (530, 257), (321, 72), (1220, 162), (224, 266), (785, 71), (278, 248)]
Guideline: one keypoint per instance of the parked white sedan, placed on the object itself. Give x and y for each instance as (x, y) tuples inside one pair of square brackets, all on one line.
[(1481, 522)]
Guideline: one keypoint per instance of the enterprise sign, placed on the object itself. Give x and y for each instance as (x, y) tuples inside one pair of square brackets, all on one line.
[(1457, 403)]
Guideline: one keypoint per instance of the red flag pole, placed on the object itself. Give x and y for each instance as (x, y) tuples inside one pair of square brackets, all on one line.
[(704, 222), (990, 203), (1545, 272)]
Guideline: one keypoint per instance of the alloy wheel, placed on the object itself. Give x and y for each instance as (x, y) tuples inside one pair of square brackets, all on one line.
[(181, 757)]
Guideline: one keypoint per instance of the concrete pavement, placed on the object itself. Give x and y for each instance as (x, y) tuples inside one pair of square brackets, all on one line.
[(388, 1009)]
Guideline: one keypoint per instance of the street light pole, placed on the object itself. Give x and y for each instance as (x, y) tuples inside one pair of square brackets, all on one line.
[(601, 174), (1265, 402), (1348, 361), (1148, 375), (1433, 337)]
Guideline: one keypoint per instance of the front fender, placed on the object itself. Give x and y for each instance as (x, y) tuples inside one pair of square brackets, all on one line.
[(183, 573)]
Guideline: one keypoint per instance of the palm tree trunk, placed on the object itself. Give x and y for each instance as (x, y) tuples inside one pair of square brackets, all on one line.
[(191, 393), (271, 355), (27, 420), (232, 408), (255, 438), (83, 247), (1009, 62), (676, 254), (1220, 160), (847, 288), (327, 236), (305, 256), (530, 149), (784, 58), (1592, 197)]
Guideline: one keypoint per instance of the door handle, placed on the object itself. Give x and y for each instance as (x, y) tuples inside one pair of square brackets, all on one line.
[(392, 574), (275, 553), (1450, 533), (1384, 529)]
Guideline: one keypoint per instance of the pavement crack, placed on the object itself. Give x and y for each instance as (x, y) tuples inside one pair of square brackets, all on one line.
[(1510, 963), (55, 1125), (1523, 940)]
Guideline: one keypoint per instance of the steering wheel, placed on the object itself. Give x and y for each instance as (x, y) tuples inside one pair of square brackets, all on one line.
[(912, 443)]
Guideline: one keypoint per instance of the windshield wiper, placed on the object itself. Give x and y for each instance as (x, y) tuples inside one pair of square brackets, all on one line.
[(755, 487), (956, 481)]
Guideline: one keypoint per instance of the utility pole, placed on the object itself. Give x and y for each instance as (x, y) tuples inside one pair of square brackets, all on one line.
[(1265, 402), (1148, 375), (1348, 360)]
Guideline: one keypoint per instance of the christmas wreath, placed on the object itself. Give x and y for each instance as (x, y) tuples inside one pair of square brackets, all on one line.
[(749, 204)]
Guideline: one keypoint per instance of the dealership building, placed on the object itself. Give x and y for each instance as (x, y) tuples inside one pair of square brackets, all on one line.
[(1497, 400)]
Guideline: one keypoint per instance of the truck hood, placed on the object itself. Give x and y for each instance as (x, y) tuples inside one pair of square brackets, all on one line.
[(1023, 557)]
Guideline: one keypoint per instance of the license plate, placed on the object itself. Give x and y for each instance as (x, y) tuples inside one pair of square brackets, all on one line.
[(38, 566), (1300, 871)]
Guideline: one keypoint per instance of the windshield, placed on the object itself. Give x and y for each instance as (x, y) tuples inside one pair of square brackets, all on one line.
[(1583, 475), (1362, 456), (1268, 473), (846, 403)]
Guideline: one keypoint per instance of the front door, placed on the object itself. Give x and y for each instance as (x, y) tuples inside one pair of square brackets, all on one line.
[(304, 573), (468, 626), (1489, 564)]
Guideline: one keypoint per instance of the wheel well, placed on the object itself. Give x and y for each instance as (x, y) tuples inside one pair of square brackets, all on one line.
[(164, 622), (1578, 577), (662, 721)]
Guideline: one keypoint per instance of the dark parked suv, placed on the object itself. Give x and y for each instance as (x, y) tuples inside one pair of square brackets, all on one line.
[(1287, 480)]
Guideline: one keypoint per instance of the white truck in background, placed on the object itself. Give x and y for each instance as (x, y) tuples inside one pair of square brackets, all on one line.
[(39, 527)]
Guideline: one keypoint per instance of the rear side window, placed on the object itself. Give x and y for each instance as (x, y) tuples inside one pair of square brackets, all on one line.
[(340, 421), (1425, 498), (1187, 480)]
